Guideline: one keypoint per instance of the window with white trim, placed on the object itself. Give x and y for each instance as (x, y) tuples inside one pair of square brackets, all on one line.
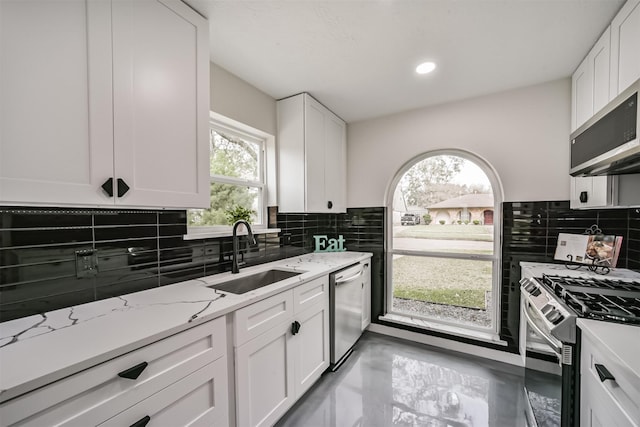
[(238, 177), (445, 268)]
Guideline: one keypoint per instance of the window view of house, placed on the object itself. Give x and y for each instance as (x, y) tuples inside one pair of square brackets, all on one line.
[(443, 263)]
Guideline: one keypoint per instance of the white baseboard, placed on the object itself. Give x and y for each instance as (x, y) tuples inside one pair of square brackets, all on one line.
[(468, 349)]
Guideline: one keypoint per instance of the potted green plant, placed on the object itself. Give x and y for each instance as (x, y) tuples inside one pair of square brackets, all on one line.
[(237, 213)]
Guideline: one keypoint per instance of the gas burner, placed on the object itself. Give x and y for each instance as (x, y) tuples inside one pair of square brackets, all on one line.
[(590, 282), (598, 298)]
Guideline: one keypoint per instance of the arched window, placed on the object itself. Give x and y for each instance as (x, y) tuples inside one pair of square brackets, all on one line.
[(445, 269)]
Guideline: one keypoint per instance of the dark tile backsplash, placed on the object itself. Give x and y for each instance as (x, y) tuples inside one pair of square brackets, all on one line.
[(530, 233), (138, 250), (141, 249)]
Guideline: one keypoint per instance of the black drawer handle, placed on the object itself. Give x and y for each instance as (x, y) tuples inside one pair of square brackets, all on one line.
[(142, 422), (603, 373), (295, 327), (122, 187), (133, 373), (108, 187)]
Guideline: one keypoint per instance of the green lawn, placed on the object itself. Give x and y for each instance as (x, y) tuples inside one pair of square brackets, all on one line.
[(441, 280), (483, 233)]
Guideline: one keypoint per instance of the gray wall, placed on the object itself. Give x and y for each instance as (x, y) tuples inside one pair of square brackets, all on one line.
[(523, 133), (238, 100)]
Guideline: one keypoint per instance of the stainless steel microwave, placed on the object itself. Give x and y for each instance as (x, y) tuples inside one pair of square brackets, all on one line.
[(607, 144)]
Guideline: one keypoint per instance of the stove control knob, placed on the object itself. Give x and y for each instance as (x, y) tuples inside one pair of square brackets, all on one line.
[(554, 316), (547, 309), (530, 287)]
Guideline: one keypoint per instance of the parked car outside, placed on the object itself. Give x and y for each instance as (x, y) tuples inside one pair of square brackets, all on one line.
[(410, 219)]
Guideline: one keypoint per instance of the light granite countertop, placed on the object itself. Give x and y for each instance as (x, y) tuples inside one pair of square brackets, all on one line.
[(40, 349), (537, 269)]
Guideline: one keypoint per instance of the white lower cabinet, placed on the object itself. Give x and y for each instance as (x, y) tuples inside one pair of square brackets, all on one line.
[(311, 349), (275, 369), (264, 377), (193, 363), (614, 400), (199, 399)]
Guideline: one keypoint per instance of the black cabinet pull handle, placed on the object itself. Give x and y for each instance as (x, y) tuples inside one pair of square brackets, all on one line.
[(295, 327), (133, 373), (603, 373), (142, 422), (330, 204), (122, 187), (584, 197), (108, 187)]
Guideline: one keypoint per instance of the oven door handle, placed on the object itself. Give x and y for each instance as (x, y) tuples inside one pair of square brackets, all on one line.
[(539, 331)]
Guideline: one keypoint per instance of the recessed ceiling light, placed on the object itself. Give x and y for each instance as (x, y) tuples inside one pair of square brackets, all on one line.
[(425, 67)]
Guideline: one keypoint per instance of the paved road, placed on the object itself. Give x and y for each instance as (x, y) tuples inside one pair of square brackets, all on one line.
[(412, 244)]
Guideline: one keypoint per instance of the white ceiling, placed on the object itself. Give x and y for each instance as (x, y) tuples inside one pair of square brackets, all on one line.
[(358, 56)]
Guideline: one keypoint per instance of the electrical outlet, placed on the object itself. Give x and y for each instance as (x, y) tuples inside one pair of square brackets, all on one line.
[(285, 238), (86, 263)]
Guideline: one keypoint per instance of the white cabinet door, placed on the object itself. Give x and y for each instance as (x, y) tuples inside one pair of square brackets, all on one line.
[(314, 133), (599, 60), (55, 108), (312, 157), (366, 296), (161, 90), (311, 346), (625, 47), (265, 388), (335, 158), (598, 191), (582, 95)]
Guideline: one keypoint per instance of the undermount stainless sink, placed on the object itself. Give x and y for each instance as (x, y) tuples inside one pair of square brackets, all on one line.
[(255, 281)]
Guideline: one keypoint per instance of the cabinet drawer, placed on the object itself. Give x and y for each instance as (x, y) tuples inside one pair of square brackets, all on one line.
[(98, 393), (306, 295), (200, 399), (253, 320), (598, 408), (622, 392)]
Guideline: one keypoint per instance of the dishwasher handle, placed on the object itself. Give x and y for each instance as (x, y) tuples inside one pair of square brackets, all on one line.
[(349, 279)]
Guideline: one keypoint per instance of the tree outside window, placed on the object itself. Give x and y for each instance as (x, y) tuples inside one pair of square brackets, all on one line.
[(237, 177)]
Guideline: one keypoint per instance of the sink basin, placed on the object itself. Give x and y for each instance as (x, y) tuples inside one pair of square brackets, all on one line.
[(255, 281)]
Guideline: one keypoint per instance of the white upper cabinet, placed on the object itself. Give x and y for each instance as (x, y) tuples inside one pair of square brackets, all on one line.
[(581, 94), (98, 97), (589, 93), (625, 47), (599, 60), (609, 68), (590, 82), (55, 118), (161, 103), (312, 157)]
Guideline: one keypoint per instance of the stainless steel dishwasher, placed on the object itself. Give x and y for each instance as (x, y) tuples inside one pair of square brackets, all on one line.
[(346, 289)]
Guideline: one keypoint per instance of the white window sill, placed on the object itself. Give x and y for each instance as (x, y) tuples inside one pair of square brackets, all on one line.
[(195, 235), (462, 332)]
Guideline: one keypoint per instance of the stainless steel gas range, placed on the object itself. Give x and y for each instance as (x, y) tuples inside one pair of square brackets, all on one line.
[(552, 298)]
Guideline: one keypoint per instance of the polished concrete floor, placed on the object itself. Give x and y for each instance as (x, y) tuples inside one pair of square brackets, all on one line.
[(391, 382)]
